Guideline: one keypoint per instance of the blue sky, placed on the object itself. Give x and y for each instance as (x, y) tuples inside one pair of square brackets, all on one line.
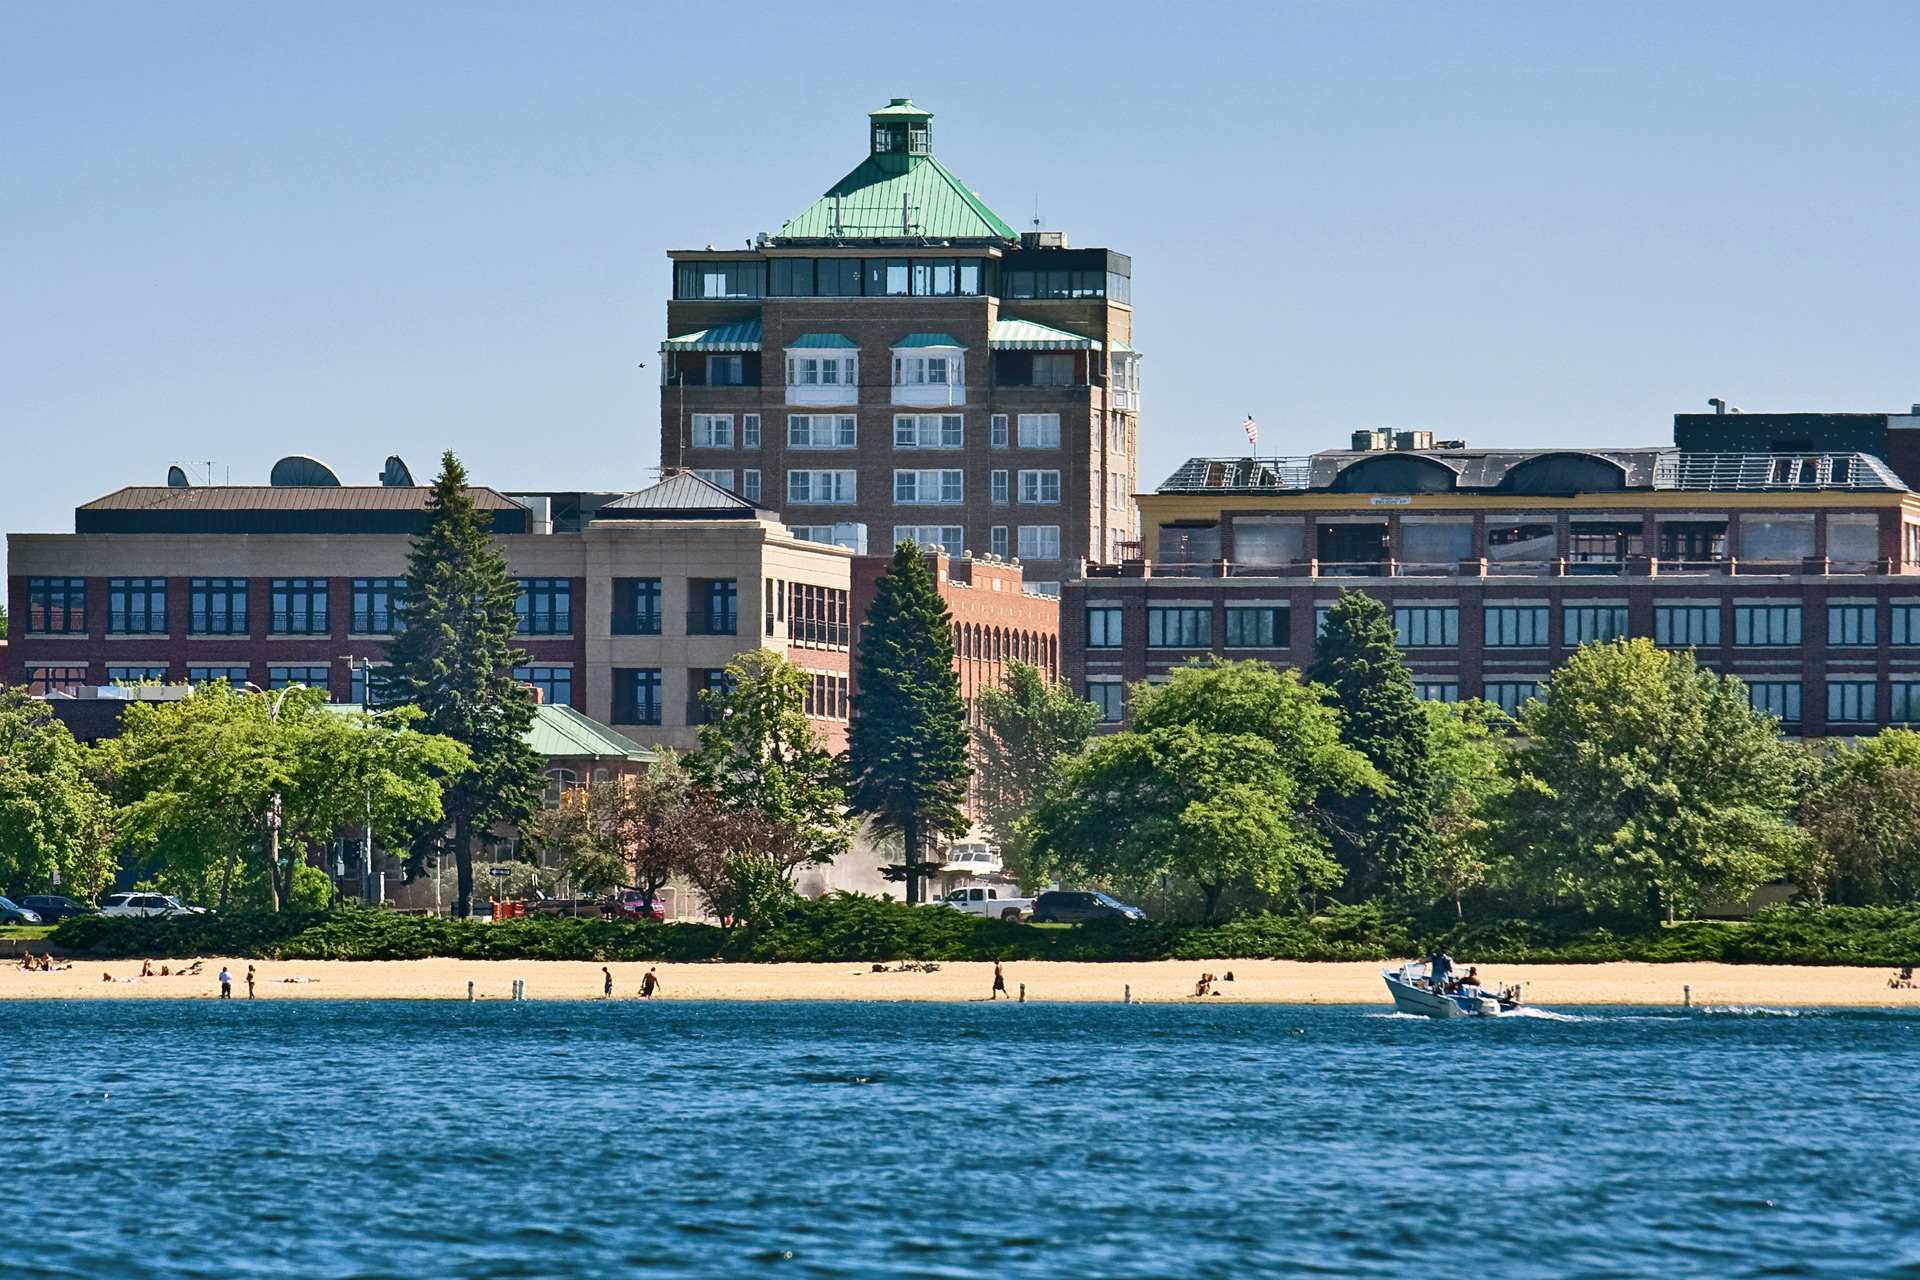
[(230, 232)]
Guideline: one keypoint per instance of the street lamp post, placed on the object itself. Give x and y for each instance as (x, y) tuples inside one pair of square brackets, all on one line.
[(273, 813)]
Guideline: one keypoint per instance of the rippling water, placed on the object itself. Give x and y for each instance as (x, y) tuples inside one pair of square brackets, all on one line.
[(321, 1139)]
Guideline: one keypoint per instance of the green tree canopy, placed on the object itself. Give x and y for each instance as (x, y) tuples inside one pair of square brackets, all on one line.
[(907, 743), (1862, 810), (1465, 785), (1381, 835), (455, 662), (759, 752), (54, 820), (1649, 783), (1028, 724), (199, 779), (1216, 783)]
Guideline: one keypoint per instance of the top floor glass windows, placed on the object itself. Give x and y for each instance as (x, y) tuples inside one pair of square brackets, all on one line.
[(300, 606), (545, 606), (136, 606), (217, 607), (1056, 284), (376, 605), (57, 606), (700, 280), (875, 277)]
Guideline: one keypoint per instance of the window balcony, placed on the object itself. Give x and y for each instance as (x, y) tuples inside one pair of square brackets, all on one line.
[(929, 394), (829, 396)]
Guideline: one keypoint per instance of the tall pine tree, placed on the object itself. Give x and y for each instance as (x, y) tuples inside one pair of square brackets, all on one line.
[(907, 744), (1379, 838), (455, 662)]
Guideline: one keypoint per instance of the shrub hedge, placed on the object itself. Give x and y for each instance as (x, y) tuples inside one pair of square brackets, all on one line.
[(845, 928)]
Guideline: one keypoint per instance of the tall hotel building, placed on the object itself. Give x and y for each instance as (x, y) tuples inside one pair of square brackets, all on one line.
[(897, 362)]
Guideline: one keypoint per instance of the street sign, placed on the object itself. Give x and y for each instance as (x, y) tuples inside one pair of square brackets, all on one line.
[(498, 871)]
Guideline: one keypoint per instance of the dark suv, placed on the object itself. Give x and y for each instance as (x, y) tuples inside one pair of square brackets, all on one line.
[(1061, 906), (51, 906)]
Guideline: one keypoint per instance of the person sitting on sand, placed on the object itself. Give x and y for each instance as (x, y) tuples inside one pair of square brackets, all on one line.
[(106, 977), (1203, 986), (146, 968), (26, 961)]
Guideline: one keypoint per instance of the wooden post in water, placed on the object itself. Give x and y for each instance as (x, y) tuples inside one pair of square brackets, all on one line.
[(1686, 997), (1128, 997)]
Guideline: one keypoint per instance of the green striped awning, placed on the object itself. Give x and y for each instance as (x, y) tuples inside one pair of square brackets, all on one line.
[(928, 340), (834, 341), (1026, 335), (1123, 347), (742, 335)]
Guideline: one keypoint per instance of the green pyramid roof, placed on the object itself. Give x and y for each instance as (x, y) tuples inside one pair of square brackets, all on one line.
[(893, 195)]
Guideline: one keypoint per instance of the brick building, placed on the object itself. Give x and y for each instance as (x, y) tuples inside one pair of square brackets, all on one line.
[(1795, 567), (626, 615), (898, 363)]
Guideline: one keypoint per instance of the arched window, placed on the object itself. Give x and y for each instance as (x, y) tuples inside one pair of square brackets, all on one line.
[(1395, 473), (1564, 474)]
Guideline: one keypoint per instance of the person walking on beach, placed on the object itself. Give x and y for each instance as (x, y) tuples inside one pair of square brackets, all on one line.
[(226, 984), (649, 985), (249, 982), (608, 975), (999, 982)]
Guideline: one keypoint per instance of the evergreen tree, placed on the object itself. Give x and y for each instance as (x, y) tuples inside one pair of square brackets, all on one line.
[(1379, 838), (455, 662), (907, 744), (1026, 728)]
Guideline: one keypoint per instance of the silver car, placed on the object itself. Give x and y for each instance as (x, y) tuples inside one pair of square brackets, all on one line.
[(147, 904)]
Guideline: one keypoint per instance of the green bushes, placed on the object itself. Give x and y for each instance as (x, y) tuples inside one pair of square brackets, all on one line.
[(850, 929)]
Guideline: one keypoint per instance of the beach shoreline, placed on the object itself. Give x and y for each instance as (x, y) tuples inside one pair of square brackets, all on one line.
[(1155, 982)]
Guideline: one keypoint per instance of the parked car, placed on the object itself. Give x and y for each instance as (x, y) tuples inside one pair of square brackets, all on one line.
[(1073, 906), (13, 913), (147, 904), (585, 907), (635, 905), (978, 901), (51, 906)]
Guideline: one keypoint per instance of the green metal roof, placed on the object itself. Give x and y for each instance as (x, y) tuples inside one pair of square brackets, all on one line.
[(1027, 335), (560, 732), (1121, 346), (929, 340), (901, 109), (896, 196), (742, 335), (837, 341)]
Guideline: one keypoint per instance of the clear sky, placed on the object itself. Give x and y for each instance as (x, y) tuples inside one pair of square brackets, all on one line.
[(231, 231)]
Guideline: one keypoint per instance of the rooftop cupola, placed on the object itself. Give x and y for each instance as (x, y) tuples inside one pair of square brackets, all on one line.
[(901, 129)]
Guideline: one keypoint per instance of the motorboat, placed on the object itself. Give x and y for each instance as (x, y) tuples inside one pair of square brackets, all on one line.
[(1413, 991)]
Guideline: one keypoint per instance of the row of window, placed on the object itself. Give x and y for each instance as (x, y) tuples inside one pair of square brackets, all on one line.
[(939, 486), (555, 684), (887, 278), (910, 430), (1848, 701), (297, 606), (1527, 626), (638, 697)]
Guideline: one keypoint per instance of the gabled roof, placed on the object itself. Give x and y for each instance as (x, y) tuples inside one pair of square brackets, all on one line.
[(559, 733), (742, 335), (683, 496), (898, 197), (832, 341), (1031, 335)]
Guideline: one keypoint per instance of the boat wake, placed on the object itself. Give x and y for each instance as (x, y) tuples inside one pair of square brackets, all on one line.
[(1748, 1011)]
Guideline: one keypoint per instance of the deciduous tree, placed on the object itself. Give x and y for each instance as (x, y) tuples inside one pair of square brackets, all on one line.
[(1649, 783), (55, 824), (1028, 724), (455, 663), (1862, 810), (907, 744)]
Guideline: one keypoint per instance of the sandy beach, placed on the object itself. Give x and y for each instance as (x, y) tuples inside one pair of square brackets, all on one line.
[(1264, 981)]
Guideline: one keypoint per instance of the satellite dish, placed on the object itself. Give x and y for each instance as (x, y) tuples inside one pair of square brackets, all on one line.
[(395, 474), (176, 478), (297, 471)]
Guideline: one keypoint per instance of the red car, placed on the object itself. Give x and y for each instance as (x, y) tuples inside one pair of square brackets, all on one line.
[(637, 906)]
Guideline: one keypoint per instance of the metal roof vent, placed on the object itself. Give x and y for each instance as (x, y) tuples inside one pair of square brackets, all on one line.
[(297, 471)]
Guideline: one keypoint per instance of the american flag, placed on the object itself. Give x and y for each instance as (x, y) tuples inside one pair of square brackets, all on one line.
[(1252, 430)]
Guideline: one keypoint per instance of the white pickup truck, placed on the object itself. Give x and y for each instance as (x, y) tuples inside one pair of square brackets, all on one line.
[(976, 901)]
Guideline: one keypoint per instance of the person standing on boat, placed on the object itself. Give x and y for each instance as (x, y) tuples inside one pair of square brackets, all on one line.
[(1439, 968)]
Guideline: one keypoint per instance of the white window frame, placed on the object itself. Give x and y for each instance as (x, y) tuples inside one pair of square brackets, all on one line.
[(997, 437), (929, 430), (750, 484), (997, 488), (997, 541), (1037, 542), (911, 487), (1039, 431), (949, 538), (841, 429), (1036, 486), (722, 477), (822, 488), (749, 431), (712, 431), (818, 370)]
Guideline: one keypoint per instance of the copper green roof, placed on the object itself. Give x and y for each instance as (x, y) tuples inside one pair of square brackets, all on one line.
[(837, 341), (895, 196), (1030, 335), (743, 335), (559, 732), (901, 109), (928, 340)]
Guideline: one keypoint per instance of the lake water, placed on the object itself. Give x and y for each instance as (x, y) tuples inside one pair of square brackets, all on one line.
[(321, 1139)]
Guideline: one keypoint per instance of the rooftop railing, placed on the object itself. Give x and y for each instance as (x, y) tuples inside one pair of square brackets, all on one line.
[(1631, 567)]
